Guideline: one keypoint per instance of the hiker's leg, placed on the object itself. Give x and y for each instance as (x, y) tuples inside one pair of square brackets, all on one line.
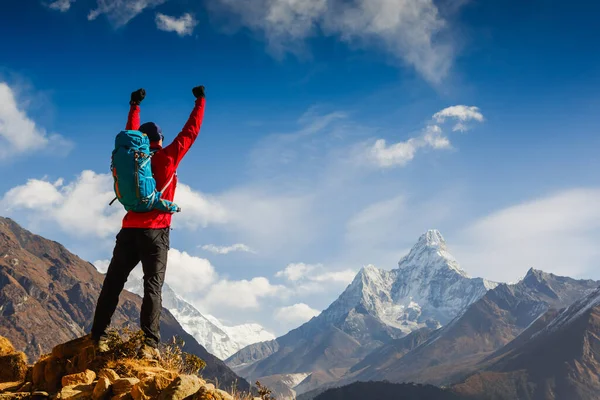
[(125, 258), (154, 248)]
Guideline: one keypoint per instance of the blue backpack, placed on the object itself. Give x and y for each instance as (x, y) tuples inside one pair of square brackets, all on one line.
[(134, 183)]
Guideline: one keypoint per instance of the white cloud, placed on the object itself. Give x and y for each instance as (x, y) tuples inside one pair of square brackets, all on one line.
[(81, 206), (558, 233), (296, 314), (120, 12), (412, 31), (311, 278), (242, 294), (78, 208), (432, 136), (198, 209), (61, 5), (187, 274), (102, 265), (295, 272), (19, 134), (183, 25), (227, 249)]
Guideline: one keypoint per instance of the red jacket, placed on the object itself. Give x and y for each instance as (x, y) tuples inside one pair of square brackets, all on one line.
[(164, 166)]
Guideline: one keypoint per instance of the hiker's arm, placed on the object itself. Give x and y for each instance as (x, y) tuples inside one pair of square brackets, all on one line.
[(133, 119), (186, 138)]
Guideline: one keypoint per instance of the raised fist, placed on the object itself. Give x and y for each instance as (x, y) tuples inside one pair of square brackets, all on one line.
[(137, 97), (198, 92)]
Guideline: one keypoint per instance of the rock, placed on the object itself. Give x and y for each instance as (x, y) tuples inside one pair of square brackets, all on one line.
[(82, 378), (73, 347), (124, 385), (26, 387), (13, 396), (38, 372), (76, 392), (182, 387), (39, 395), (224, 394), (108, 373), (150, 386), (13, 367), (210, 387), (10, 386), (122, 396), (102, 388), (6, 347)]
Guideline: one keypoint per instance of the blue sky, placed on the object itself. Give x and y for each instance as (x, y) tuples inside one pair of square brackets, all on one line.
[(336, 132)]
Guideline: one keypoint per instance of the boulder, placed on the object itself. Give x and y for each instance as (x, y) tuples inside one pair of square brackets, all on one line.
[(124, 385), (102, 388), (151, 386), (82, 378), (76, 392), (224, 395), (13, 367), (10, 386), (108, 373), (182, 387), (72, 348)]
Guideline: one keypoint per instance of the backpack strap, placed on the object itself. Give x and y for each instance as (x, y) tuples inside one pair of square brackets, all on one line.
[(168, 183)]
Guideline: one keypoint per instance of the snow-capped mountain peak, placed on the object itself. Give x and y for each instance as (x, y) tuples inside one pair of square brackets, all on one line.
[(428, 288), (431, 253)]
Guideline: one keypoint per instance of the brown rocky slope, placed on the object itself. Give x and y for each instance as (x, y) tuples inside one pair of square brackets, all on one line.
[(75, 371), (48, 296), (554, 360)]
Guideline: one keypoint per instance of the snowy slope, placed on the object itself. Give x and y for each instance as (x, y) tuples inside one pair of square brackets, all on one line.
[(218, 339)]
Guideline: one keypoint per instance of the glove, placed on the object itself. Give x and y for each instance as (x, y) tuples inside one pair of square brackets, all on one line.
[(137, 97), (198, 92)]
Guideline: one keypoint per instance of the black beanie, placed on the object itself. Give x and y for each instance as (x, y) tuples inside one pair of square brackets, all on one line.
[(152, 130)]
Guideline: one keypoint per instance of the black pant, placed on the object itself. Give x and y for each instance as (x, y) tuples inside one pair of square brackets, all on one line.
[(150, 246)]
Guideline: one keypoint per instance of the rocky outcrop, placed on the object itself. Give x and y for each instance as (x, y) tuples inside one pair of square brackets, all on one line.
[(74, 371)]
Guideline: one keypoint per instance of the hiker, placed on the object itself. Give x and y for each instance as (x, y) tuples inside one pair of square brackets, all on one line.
[(144, 236)]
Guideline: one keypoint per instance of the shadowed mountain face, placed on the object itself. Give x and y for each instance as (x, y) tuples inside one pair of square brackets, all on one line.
[(426, 290), (386, 390), (48, 296), (559, 359), (487, 325)]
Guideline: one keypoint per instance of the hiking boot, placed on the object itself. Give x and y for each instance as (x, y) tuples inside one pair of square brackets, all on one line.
[(101, 344), (147, 352)]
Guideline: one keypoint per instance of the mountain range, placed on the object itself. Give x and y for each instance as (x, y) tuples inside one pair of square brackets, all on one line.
[(426, 291)]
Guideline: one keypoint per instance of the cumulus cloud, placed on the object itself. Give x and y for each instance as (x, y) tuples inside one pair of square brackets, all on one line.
[(78, 208), (308, 278), (19, 134), (81, 206), (248, 293), (200, 210), (412, 31), (183, 25), (296, 314), (227, 249), (61, 5), (120, 12), (399, 154), (558, 233)]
